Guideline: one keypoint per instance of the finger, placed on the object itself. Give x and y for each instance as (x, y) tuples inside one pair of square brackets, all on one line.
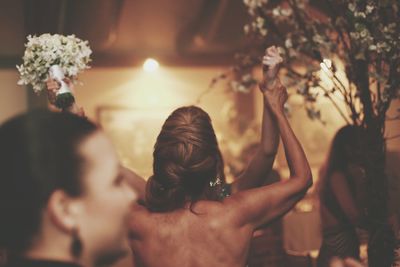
[(270, 49), (53, 86), (267, 58), (269, 62), (67, 81)]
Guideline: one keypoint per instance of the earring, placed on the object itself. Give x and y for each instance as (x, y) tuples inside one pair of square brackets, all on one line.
[(76, 246)]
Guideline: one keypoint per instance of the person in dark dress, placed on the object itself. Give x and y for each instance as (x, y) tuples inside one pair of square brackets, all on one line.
[(64, 201), (342, 194)]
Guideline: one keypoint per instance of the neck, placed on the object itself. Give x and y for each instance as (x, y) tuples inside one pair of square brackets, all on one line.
[(55, 251), (48, 254)]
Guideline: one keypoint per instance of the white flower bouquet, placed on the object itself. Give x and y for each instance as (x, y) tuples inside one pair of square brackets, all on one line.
[(55, 56)]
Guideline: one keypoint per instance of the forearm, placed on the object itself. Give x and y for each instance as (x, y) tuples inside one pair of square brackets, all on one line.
[(259, 168), (269, 133), (295, 156)]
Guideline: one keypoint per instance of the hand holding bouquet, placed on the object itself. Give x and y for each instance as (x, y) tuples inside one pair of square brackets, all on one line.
[(271, 63), (56, 57)]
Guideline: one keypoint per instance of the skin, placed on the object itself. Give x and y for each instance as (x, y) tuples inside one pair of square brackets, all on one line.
[(99, 217)]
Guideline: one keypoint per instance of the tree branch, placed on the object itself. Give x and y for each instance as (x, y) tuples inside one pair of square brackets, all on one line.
[(327, 94)]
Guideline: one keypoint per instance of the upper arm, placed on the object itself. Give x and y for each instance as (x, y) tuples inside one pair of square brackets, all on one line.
[(261, 205), (343, 195), (256, 172), (137, 182)]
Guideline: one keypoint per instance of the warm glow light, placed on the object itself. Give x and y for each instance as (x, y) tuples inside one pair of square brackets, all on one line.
[(326, 66), (328, 63), (150, 65)]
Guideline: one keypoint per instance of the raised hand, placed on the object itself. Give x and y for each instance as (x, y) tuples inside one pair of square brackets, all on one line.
[(276, 97), (271, 62), (52, 88)]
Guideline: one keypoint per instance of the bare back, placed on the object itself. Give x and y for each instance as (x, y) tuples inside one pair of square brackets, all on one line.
[(205, 236)]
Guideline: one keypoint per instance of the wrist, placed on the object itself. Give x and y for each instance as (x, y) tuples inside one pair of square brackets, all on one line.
[(270, 83)]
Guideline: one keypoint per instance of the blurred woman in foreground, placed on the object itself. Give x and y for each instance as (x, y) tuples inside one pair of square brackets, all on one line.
[(63, 201)]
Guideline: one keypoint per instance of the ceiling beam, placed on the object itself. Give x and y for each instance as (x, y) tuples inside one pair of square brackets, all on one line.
[(44, 16)]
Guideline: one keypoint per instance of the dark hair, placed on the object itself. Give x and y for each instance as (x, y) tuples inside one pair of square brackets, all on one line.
[(38, 155), (186, 159), (345, 149)]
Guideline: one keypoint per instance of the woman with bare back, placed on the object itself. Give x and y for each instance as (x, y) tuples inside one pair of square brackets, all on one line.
[(185, 220), (185, 223)]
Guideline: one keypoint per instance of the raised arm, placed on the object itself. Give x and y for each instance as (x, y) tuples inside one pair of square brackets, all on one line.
[(260, 166), (258, 206)]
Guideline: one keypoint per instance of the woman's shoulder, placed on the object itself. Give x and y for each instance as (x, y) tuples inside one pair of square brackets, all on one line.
[(337, 176)]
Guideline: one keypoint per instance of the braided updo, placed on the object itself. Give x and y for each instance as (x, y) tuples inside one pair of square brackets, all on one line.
[(186, 160)]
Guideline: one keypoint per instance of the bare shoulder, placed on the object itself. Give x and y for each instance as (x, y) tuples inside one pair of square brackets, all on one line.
[(223, 215), (140, 220)]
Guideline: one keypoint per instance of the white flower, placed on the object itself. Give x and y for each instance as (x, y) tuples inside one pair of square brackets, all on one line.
[(246, 29), (252, 5), (318, 38), (355, 35), (263, 32), (369, 9), (351, 7), (364, 33), (69, 52), (286, 12), (288, 43), (372, 47), (360, 14), (276, 12), (260, 22)]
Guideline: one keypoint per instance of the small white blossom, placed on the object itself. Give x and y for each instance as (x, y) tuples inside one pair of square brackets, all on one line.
[(360, 15), (369, 9), (351, 7), (364, 33), (260, 21), (275, 12), (286, 12), (318, 38), (263, 32), (288, 43), (252, 5), (355, 35), (246, 29)]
